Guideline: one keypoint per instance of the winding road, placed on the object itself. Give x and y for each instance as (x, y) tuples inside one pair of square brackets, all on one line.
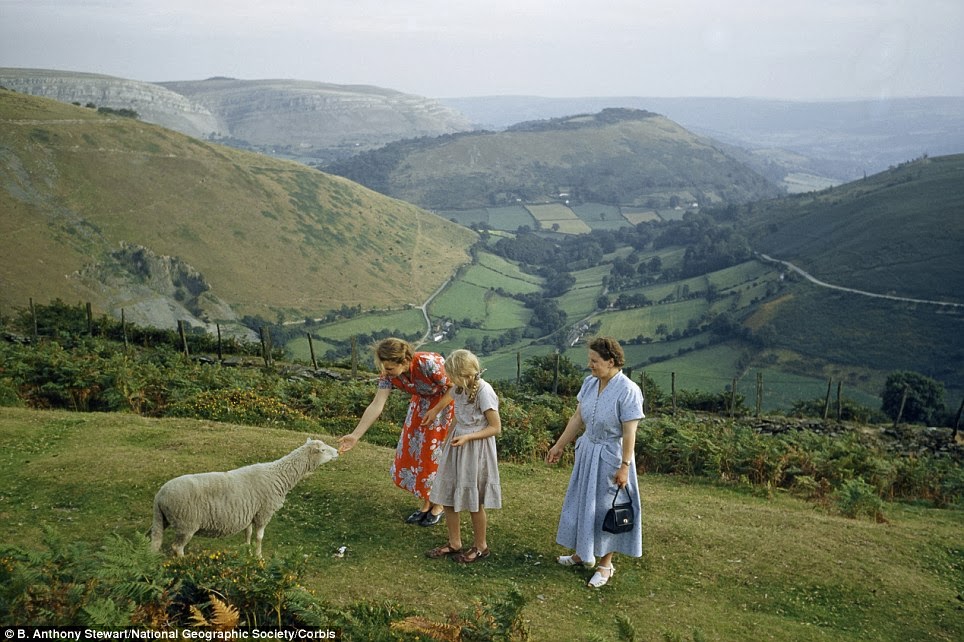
[(823, 284)]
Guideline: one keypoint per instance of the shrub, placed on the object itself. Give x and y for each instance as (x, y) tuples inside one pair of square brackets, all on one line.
[(855, 497)]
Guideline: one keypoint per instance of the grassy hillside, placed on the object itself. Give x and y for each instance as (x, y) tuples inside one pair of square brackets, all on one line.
[(719, 563), (900, 232), (255, 235), (620, 157)]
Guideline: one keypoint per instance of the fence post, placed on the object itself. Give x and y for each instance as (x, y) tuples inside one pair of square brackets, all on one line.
[(555, 376), (220, 351), (733, 399), (900, 413), (673, 389), (311, 349), (759, 393), (124, 329), (826, 400), (354, 356), (266, 346), (180, 331), (957, 422), (839, 400), (518, 367), (33, 315), (90, 321)]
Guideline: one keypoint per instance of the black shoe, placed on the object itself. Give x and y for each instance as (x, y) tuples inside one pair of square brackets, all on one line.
[(417, 517), (430, 519)]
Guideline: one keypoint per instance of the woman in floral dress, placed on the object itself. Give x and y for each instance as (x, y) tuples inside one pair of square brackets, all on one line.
[(422, 375)]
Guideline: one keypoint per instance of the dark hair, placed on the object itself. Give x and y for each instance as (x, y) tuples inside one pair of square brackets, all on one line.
[(608, 348)]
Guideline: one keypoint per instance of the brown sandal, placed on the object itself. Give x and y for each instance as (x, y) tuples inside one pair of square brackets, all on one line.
[(442, 551), (471, 555)]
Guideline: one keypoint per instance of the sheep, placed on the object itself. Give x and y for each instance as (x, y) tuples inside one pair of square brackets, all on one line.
[(224, 503)]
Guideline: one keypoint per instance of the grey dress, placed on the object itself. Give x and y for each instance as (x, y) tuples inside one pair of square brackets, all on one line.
[(468, 475), (598, 457)]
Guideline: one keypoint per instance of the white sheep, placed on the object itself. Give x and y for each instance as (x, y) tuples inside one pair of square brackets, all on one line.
[(225, 503)]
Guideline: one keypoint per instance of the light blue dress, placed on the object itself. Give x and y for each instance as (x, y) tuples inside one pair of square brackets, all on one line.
[(598, 457)]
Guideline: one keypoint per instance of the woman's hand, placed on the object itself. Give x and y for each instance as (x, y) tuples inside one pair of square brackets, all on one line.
[(554, 454), (429, 417), (346, 443), (461, 440), (621, 478)]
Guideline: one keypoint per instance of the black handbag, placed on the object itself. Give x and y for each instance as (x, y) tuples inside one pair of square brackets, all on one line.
[(621, 517)]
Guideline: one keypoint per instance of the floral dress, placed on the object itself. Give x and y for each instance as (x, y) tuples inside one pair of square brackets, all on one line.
[(418, 452)]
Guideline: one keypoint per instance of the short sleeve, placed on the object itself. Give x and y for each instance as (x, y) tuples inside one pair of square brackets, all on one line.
[(384, 383), (486, 398), (630, 402)]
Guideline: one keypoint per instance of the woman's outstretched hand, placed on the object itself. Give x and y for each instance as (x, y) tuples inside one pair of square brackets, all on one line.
[(346, 443)]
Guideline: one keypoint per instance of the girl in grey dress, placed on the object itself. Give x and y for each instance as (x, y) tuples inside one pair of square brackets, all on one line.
[(468, 470), (610, 408)]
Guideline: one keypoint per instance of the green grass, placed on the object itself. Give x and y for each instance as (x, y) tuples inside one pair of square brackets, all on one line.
[(724, 563)]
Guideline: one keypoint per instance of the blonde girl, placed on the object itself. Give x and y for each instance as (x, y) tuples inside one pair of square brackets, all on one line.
[(468, 472)]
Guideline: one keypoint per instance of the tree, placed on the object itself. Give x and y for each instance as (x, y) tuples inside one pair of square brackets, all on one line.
[(924, 402), (539, 374)]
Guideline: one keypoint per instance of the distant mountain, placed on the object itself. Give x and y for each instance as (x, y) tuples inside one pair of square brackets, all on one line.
[(303, 119), (285, 118), (841, 140), (618, 156), (128, 215)]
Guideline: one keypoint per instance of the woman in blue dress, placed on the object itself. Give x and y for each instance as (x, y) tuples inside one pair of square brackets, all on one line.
[(610, 408)]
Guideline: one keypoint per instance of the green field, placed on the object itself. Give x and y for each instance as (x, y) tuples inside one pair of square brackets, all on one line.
[(408, 322)]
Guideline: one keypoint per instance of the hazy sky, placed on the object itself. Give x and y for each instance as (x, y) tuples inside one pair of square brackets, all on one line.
[(791, 49)]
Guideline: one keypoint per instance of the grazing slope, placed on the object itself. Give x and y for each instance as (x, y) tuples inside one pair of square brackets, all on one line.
[(132, 216)]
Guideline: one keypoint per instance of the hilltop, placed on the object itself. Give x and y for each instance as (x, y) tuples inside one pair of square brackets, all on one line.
[(293, 119), (617, 156), (132, 216)]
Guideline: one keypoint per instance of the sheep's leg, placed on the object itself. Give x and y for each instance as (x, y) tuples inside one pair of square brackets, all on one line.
[(180, 541), (247, 535), (258, 538)]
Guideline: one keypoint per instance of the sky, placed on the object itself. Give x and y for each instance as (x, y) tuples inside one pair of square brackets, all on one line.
[(783, 49)]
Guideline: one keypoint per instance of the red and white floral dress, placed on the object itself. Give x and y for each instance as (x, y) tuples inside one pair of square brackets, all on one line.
[(418, 450)]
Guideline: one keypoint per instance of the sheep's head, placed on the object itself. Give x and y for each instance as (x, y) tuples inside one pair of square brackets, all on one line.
[(319, 452)]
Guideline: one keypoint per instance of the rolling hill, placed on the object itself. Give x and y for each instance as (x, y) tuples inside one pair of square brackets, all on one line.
[(128, 215), (617, 156)]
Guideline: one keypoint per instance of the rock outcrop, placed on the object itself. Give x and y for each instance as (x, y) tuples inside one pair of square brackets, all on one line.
[(153, 103)]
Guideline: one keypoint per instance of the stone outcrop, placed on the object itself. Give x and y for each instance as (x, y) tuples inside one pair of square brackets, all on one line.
[(158, 291), (302, 118), (153, 103)]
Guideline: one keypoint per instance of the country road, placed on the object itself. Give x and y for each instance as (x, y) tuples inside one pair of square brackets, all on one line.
[(823, 284)]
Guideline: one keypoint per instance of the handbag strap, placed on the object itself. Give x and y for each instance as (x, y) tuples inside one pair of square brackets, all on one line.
[(617, 494)]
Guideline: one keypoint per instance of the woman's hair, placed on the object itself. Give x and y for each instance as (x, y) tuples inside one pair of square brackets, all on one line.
[(463, 366), (608, 348), (394, 350)]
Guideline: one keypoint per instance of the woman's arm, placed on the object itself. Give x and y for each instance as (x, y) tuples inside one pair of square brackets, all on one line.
[(433, 412), (629, 450), (493, 429), (574, 426), (372, 412)]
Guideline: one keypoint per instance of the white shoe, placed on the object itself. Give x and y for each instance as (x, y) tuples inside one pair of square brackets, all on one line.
[(567, 560), (598, 579)]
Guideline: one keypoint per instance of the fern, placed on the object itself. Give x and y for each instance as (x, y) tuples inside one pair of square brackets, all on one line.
[(625, 629), (104, 613), (433, 630)]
